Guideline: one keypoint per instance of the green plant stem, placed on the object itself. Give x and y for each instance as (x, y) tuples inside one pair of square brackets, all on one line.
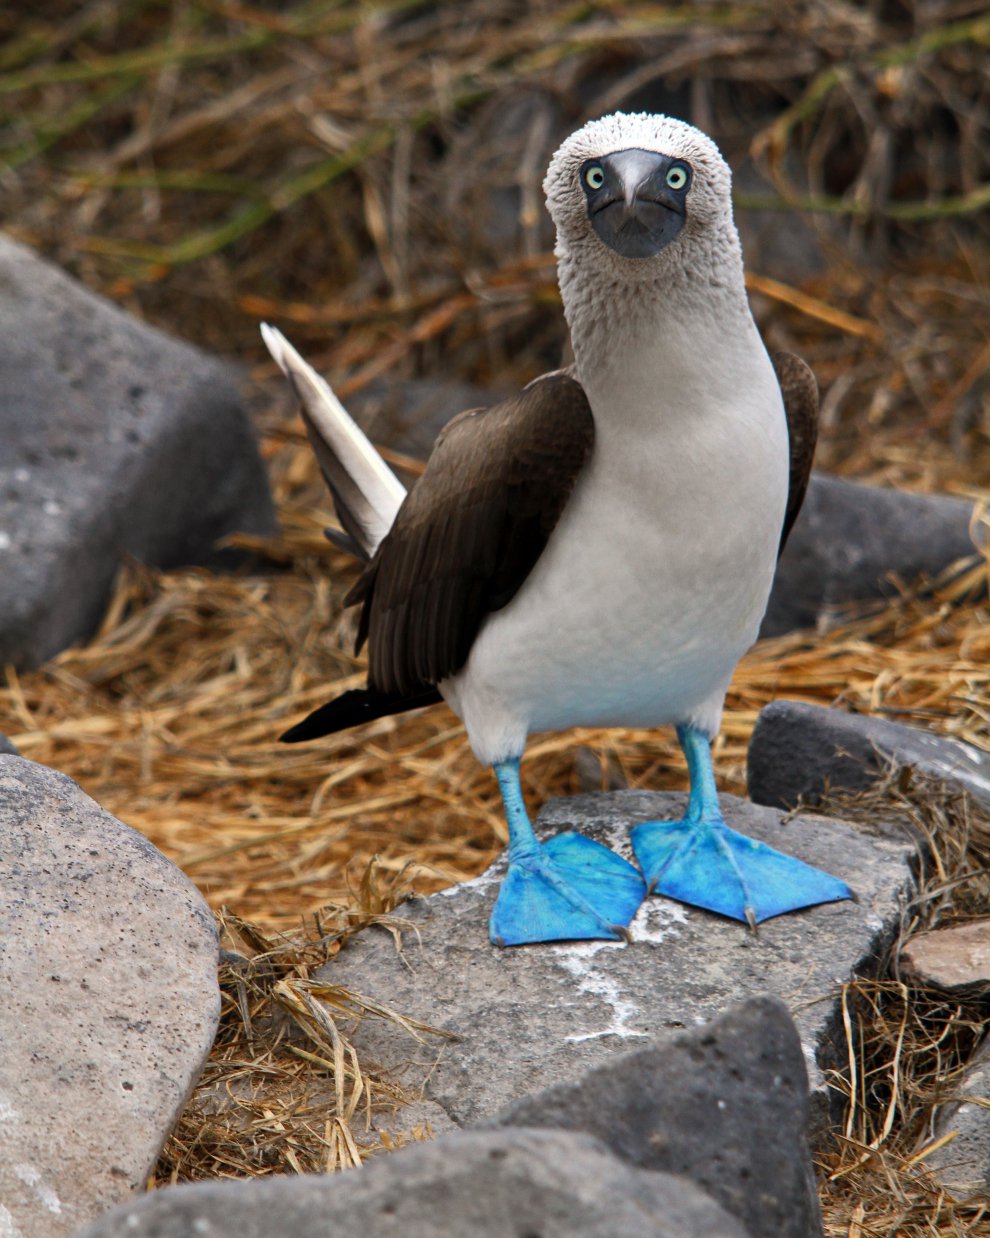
[(976, 200), (187, 180), (72, 120), (320, 18)]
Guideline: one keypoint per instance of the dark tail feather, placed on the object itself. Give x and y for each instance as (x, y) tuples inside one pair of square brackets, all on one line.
[(344, 541), (354, 707)]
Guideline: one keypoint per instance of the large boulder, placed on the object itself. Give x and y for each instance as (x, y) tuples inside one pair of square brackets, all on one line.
[(798, 750), (725, 1104), (108, 967), (408, 416), (116, 440), (851, 541), (491, 1184)]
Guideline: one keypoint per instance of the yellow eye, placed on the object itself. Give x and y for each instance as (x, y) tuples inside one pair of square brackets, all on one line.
[(676, 178), (594, 177)]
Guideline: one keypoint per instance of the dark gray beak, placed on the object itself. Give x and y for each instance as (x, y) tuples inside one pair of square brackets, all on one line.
[(636, 200)]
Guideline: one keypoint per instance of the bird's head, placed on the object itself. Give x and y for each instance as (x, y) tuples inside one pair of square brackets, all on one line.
[(627, 189)]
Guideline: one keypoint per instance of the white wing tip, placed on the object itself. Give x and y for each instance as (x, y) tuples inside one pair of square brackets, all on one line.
[(277, 345)]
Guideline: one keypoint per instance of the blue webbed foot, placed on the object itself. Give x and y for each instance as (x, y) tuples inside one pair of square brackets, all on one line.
[(570, 889), (701, 861), (707, 864)]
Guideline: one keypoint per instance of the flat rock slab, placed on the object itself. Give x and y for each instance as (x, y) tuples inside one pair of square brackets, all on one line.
[(108, 961), (487, 1184), (116, 439), (798, 750), (956, 958), (535, 1016), (851, 539)]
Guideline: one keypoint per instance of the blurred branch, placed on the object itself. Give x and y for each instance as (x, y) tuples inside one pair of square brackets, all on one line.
[(813, 307), (322, 17), (140, 61), (185, 179), (250, 216), (974, 30), (977, 199), (51, 129)]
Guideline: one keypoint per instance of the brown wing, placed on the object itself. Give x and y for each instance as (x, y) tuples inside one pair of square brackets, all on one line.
[(470, 531), (800, 392)]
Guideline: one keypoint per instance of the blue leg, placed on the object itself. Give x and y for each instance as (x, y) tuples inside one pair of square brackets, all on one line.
[(700, 860), (571, 889)]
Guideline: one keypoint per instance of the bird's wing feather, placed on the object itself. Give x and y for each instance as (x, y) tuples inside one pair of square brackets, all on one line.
[(800, 392), (471, 531), (366, 492)]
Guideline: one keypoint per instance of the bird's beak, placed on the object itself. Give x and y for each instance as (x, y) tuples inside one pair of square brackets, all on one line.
[(634, 212)]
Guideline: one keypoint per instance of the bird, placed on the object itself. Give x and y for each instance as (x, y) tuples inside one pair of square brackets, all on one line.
[(597, 550)]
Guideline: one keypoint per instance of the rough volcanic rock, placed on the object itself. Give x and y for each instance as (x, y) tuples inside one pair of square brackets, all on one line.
[(487, 1184), (851, 538), (725, 1104), (963, 1165), (532, 1017), (408, 416), (798, 749), (108, 960), (116, 439)]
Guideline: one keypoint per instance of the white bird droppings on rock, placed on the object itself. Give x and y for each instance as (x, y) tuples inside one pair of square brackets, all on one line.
[(31, 1177), (7, 1227), (529, 1017)]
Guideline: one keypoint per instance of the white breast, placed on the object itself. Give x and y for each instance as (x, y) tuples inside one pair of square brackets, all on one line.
[(656, 578)]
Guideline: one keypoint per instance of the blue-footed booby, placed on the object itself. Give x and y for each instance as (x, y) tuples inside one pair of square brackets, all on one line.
[(599, 550)]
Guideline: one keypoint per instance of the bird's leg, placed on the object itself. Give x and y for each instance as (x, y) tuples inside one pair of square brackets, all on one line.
[(569, 889), (700, 860)]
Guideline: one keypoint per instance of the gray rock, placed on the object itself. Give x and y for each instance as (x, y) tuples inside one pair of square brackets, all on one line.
[(797, 749), (956, 959), (848, 541), (725, 1104), (963, 1166), (117, 439), (778, 242), (493, 1184), (7, 747), (533, 1017), (408, 416), (595, 772), (110, 1002)]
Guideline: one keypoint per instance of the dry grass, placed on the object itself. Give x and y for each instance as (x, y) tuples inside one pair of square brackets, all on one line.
[(284, 1090), (907, 1044), (208, 164)]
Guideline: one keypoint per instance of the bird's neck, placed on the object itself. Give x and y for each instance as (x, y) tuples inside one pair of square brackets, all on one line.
[(686, 334), (688, 331)]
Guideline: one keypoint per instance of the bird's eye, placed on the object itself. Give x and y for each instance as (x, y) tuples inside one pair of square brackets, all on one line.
[(594, 177), (676, 178)]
